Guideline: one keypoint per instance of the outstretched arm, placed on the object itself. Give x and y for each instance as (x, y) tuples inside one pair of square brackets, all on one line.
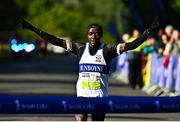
[(137, 42), (48, 37)]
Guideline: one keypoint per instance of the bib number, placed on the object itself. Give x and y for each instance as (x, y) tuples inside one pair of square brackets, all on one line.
[(90, 81)]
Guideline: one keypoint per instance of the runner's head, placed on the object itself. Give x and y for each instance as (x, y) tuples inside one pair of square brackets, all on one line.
[(94, 33)]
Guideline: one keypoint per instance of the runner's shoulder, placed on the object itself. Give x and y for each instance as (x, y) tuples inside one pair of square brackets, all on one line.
[(79, 45)]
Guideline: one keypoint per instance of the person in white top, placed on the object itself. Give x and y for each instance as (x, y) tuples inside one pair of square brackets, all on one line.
[(94, 60)]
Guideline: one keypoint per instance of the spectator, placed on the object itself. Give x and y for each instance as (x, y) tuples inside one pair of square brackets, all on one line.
[(174, 49), (134, 59), (168, 31), (42, 47)]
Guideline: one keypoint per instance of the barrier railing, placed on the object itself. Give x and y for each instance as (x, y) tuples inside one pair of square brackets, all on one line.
[(16, 104), (167, 77)]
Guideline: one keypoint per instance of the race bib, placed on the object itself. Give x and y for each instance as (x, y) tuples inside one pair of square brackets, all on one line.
[(90, 81)]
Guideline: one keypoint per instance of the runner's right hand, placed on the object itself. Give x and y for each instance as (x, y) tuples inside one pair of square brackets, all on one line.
[(27, 25)]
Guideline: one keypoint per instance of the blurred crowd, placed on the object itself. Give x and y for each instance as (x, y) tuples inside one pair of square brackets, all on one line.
[(165, 43)]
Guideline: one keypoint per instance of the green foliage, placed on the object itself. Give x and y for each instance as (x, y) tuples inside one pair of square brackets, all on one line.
[(70, 18), (172, 12), (175, 5)]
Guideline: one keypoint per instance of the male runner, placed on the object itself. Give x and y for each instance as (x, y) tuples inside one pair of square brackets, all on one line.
[(94, 59)]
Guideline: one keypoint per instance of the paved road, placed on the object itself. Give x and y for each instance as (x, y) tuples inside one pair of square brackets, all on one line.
[(57, 74)]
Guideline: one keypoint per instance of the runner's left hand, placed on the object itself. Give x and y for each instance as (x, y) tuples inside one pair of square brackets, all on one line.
[(154, 27)]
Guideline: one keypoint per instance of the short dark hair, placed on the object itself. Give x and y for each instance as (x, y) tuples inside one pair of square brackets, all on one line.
[(97, 26)]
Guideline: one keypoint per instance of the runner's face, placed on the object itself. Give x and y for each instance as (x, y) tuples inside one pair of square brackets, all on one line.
[(94, 36)]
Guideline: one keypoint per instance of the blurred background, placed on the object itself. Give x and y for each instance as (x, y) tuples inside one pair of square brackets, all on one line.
[(70, 18), (31, 65)]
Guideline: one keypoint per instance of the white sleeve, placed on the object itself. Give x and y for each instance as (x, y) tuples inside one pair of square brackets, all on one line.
[(118, 49), (69, 45)]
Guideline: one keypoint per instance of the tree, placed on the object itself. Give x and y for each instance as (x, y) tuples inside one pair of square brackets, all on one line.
[(71, 17)]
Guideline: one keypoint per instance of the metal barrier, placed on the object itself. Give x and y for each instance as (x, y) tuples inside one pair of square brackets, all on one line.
[(16, 104), (165, 77)]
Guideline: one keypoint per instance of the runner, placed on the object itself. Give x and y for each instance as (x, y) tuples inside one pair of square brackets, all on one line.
[(94, 60)]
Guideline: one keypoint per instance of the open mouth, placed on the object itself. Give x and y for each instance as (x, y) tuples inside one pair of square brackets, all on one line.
[(92, 39)]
